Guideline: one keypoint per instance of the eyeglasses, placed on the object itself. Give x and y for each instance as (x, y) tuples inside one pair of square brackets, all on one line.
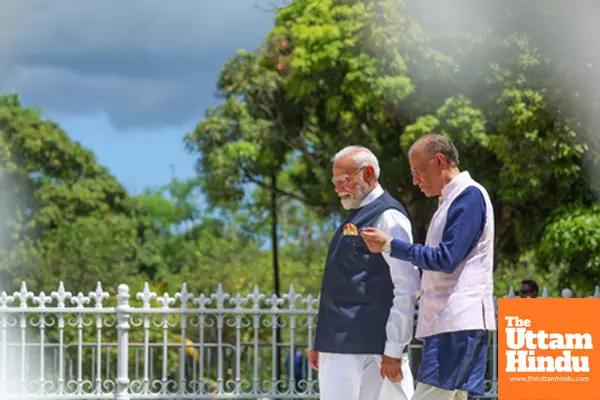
[(344, 179), (416, 172)]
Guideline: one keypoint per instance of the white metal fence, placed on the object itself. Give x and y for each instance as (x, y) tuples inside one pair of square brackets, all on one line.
[(97, 346)]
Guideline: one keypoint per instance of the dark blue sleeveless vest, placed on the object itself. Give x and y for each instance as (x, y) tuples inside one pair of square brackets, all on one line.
[(357, 290)]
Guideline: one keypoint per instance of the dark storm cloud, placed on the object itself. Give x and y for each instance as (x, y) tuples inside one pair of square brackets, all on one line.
[(144, 63)]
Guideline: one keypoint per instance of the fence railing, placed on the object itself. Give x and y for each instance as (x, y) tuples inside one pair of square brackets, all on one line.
[(97, 346)]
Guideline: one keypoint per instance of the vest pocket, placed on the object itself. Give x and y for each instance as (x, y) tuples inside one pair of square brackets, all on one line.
[(356, 243)]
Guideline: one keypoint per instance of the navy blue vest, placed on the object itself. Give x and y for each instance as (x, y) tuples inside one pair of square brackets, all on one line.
[(357, 290)]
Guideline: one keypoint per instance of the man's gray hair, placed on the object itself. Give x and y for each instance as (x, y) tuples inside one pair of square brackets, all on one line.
[(362, 156), (434, 143)]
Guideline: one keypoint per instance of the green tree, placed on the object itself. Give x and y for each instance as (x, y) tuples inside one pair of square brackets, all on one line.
[(383, 73), (64, 216), (347, 66), (521, 116)]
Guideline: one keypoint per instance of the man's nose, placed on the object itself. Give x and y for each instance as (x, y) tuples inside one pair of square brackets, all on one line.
[(416, 179), (340, 187)]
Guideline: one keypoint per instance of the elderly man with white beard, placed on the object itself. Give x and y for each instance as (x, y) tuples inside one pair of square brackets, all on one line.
[(367, 303)]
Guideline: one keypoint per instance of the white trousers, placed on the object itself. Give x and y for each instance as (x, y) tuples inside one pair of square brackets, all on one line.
[(358, 377), (428, 392)]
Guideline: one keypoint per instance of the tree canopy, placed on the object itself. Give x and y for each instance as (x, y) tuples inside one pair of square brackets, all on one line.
[(518, 101), (383, 73)]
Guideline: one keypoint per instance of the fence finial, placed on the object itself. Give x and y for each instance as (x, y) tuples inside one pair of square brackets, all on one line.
[(511, 292), (566, 293)]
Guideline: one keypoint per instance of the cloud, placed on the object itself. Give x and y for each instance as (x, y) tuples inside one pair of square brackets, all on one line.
[(143, 63)]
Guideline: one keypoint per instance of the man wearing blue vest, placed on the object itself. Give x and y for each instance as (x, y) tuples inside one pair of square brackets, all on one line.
[(367, 301), (456, 308)]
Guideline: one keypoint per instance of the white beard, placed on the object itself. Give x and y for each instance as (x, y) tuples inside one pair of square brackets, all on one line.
[(351, 203), (354, 201)]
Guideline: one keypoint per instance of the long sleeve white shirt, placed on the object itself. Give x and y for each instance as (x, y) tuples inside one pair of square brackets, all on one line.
[(405, 278)]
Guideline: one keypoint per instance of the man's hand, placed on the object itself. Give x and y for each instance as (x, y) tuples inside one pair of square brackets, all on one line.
[(374, 239), (313, 359), (391, 368)]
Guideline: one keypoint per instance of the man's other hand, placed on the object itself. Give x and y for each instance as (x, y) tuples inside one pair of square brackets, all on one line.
[(313, 359), (374, 239), (391, 368)]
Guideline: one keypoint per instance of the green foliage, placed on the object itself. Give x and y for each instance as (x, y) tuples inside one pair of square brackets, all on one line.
[(511, 272), (239, 140), (573, 239), (346, 65), (64, 216), (381, 74)]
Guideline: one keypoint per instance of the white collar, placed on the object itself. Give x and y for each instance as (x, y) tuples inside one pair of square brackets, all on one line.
[(374, 194), (454, 183)]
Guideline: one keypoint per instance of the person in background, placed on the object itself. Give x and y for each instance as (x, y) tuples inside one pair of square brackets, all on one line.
[(529, 288), (300, 368), (456, 308)]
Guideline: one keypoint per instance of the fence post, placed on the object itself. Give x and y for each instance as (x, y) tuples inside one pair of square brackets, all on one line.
[(123, 313)]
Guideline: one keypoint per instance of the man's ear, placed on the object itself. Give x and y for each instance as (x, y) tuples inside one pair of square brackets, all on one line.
[(369, 174), (441, 160)]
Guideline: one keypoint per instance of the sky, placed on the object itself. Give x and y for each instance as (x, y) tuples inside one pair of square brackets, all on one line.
[(129, 78), (126, 78)]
